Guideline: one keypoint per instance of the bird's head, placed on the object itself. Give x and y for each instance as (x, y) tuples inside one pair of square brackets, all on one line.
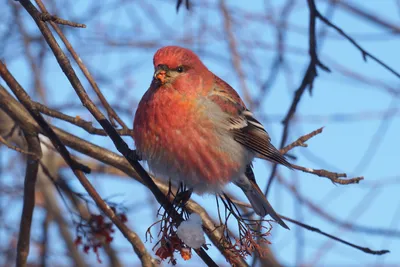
[(173, 64)]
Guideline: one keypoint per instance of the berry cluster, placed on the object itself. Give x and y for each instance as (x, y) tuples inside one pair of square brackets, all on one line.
[(96, 231)]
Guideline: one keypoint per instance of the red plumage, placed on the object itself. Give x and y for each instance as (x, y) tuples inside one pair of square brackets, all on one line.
[(191, 126)]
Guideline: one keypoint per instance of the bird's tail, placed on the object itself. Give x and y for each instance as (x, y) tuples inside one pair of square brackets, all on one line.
[(257, 199)]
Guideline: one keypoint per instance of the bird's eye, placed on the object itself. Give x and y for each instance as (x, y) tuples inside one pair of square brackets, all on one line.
[(180, 69)]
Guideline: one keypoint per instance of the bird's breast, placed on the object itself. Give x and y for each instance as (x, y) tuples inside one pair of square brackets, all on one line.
[(176, 136), (166, 118)]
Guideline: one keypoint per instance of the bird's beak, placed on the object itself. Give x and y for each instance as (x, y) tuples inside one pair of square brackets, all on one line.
[(161, 73)]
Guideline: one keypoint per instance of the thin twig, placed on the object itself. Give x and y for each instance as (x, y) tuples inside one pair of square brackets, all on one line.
[(78, 121), (20, 150), (379, 21), (365, 54), (48, 17), (329, 217), (301, 141), (314, 229), (333, 176)]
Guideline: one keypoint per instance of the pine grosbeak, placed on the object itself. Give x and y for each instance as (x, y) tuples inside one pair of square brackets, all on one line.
[(192, 127)]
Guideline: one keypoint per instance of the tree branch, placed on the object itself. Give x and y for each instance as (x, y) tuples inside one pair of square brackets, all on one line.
[(77, 121), (365, 54), (314, 229), (301, 141), (307, 82), (327, 216), (20, 150), (48, 17), (32, 167)]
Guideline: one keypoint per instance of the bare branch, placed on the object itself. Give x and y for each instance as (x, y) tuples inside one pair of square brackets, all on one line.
[(307, 82), (365, 54), (78, 121), (301, 141), (20, 150), (314, 229), (32, 167), (329, 217), (47, 17), (333, 176), (346, 5)]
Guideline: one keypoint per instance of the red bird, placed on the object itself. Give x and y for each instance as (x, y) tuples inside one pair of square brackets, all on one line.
[(192, 127)]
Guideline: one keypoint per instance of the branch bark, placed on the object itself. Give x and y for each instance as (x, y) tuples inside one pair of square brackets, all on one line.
[(32, 167)]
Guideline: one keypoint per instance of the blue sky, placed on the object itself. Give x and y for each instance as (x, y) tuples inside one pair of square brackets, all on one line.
[(341, 147)]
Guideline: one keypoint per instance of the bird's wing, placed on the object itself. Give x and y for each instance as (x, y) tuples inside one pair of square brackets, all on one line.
[(245, 129)]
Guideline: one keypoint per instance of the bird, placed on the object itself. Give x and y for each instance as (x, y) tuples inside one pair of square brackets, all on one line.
[(192, 127)]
